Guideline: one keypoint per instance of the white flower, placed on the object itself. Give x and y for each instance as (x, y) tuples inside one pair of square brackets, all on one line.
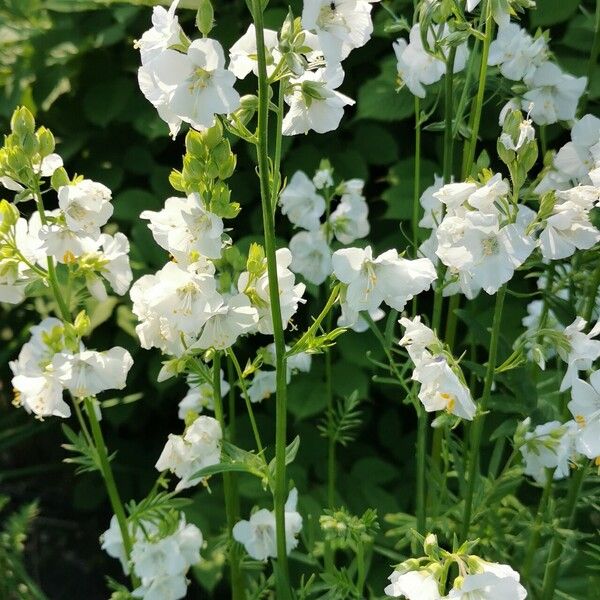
[(87, 372), (417, 337), (233, 318), (526, 134), (350, 219), (199, 447), (200, 396), (416, 67), (497, 582), (533, 323), (413, 585), (63, 243), (111, 541), (500, 11), (290, 294), (258, 535), (36, 386), (172, 303), (314, 102), (454, 195), (301, 203), (441, 389), (585, 408), (432, 205), (569, 227), (323, 179), (485, 197), (548, 446), (165, 32), (86, 206), (186, 228), (45, 168), (311, 256), (166, 587), (386, 278), (262, 386), (341, 25), (554, 94), (583, 351), (516, 53), (299, 362), (114, 258), (243, 58)]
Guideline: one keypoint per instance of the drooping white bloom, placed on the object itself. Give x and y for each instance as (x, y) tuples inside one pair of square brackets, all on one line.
[(350, 219), (200, 396), (496, 582), (172, 303), (387, 278), (235, 317), (548, 446), (416, 67), (186, 228), (311, 256), (441, 389), (585, 408), (533, 323), (431, 205), (516, 53), (417, 337), (341, 25), (111, 541), (553, 94), (290, 293), (87, 372), (262, 386), (485, 198), (199, 447), (454, 195), (314, 102), (500, 11), (86, 206), (299, 362), (323, 179), (583, 350), (569, 227), (258, 534), (114, 260), (413, 585), (165, 32), (301, 203), (36, 386), (243, 58)]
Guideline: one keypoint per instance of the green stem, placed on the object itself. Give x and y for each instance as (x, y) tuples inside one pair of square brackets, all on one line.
[(237, 584), (448, 115), (554, 557), (417, 183), (592, 293), (593, 54), (330, 437), (280, 359), (477, 427), (361, 567), (278, 141), (423, 423)]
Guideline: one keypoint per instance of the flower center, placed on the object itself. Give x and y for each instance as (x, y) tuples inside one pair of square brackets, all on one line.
[(450, 401), (200, 79), (76, 211), (489, 246), (186, 294), (329, 17), (580, 420)]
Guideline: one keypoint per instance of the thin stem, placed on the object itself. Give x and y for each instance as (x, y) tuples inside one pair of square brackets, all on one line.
[(477, 427), (278, 141), (417, 184), (237, 584), (553, 563), (593, 54), (448, 114), (592, 293), (262, 151), (330, 439), (246, 397), (423, 423)]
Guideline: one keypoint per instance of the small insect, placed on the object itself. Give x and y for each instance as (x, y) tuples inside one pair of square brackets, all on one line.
[(332, 5)]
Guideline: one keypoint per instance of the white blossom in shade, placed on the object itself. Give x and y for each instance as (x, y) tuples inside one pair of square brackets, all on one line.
[(114, 257), (165, 32), (485, 198), (341, 25), (199, 447), (323, 179), (111, 541), (299, 362), (387, 278), (433, 208), (314, 102), (496, 582), (258, 534), (290, 293), (477, 247), (441, 388), (454, 195), (350, 219), (516, 53), (301, 202), (36, 386), (87, 372), (569, 227), (417, 337), (500, 11), (86, 206), (200, 396), (585, 408), (172, 303), (548, 446), (533, 323), (583, 350), (186, 228), (554, 94), (243, 58), (235, 317), (353, 319), (311, 256), (167, 587), (413, 585), (262, 386), (417, 67)]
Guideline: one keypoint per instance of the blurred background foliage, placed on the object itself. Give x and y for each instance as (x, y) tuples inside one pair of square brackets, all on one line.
[(72, 62)]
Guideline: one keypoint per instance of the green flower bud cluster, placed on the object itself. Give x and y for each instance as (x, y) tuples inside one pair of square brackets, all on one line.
[(341, 526)]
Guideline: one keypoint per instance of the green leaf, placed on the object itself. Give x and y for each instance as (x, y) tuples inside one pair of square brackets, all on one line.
[(550, 12)]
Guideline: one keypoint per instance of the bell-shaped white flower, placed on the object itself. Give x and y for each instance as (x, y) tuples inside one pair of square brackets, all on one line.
[(243, 58), (585, 408), (258, 534), (165, 32), (200, 396), (432, 206), (413, 585), (114, 255), (314, 102), (496, 582), (417, 337), (301, 202), (262, 386), (87, 372), (583, 350), (350, 219), (311, 256), (86, 206)]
